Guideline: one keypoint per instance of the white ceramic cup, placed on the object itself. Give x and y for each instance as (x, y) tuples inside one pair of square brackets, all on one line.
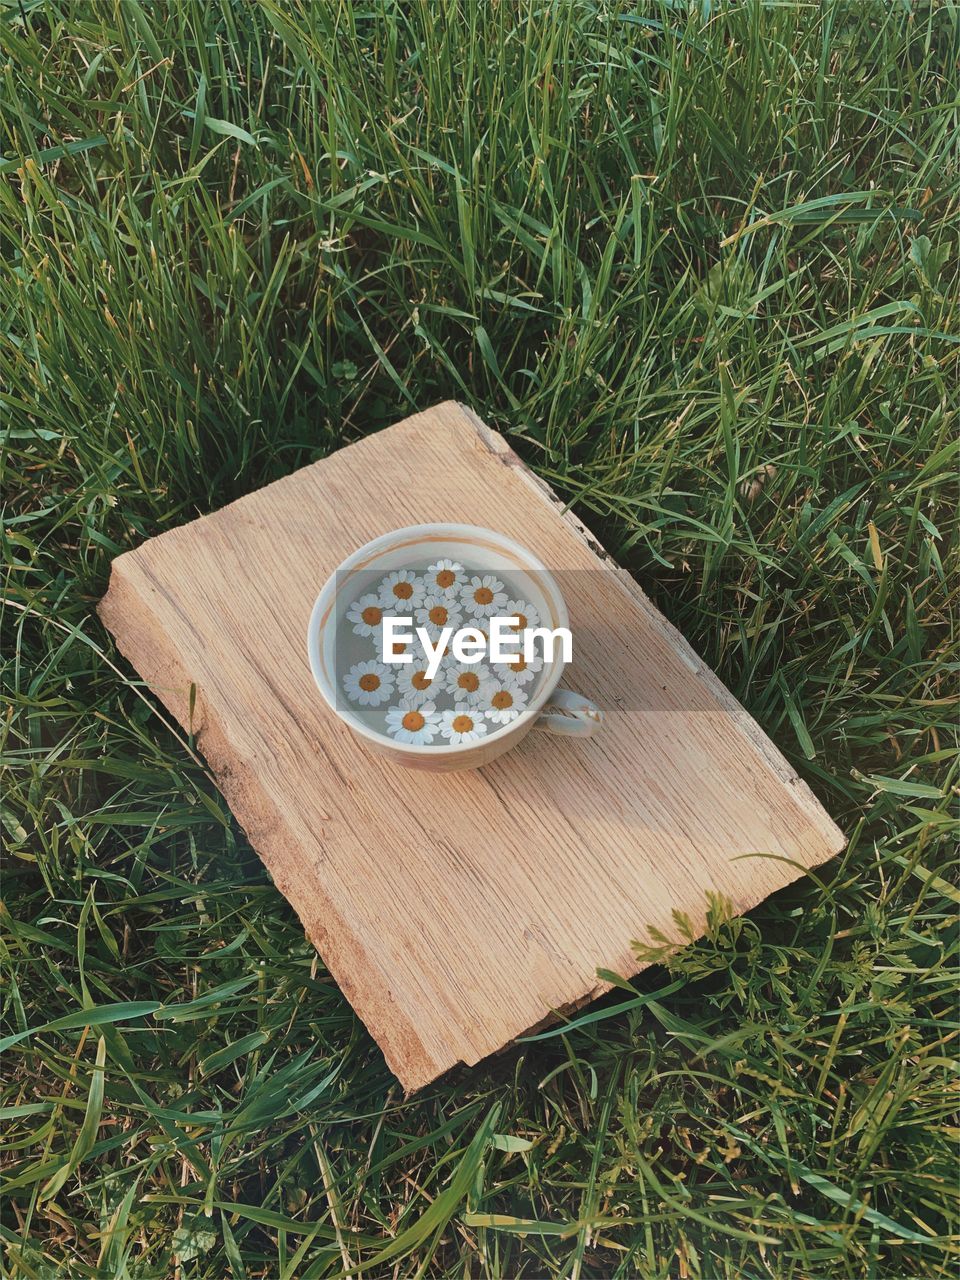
[(481, 550)]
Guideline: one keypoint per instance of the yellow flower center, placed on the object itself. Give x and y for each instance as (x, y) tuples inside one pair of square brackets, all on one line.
[(446, 578), (438, 616), (519, 663), (420, 681), (469, 680), (413, 721), (462, 724), (501, 700), (403, 590), (372, 615), (369, 682), (483, 595)]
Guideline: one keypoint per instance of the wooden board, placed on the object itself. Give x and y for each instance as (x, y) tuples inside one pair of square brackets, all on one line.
[(458, 911)]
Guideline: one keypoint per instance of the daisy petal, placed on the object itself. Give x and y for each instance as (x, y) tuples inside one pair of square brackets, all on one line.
[(461, 725), (369, 683), (502, 701)]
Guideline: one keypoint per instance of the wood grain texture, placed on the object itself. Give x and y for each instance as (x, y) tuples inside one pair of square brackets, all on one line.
[(457, 911)]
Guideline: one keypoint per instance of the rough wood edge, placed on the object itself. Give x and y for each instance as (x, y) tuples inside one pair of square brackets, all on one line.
[(497, 445), (125, 612)]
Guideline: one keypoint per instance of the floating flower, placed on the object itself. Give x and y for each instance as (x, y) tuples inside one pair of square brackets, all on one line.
[(419, 725), (369, 683), (462, 724), (438, 612), (526, 614), (501, 700), (401, 592), (445, 576), (466, 681), (414, 685), (397, 647), (366, 614), (519, 669), (484, 632), (483, 596)]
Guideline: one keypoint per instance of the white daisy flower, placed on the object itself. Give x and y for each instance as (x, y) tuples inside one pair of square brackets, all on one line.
[(437, 612), (399, 646), (369, 683), (518, 669), (366, 615), (483, 596), (402, 592), (502, 700), (414, 687), (465, 681), (462, 724), (445, 576), (527, 614), (419, 725), (396, 649), (480, 624)]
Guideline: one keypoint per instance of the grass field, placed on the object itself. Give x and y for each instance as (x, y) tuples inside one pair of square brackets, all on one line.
[(700, 263)]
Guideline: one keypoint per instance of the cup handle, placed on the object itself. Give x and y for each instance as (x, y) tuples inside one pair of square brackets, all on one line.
[(582, 720)]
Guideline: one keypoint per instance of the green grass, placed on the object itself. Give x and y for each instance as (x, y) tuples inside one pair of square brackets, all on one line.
[(700, 263)]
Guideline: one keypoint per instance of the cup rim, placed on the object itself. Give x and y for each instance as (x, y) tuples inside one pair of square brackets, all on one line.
[(383, 543)]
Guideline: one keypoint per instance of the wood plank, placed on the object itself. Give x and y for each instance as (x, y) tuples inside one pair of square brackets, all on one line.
[(457, 911)]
